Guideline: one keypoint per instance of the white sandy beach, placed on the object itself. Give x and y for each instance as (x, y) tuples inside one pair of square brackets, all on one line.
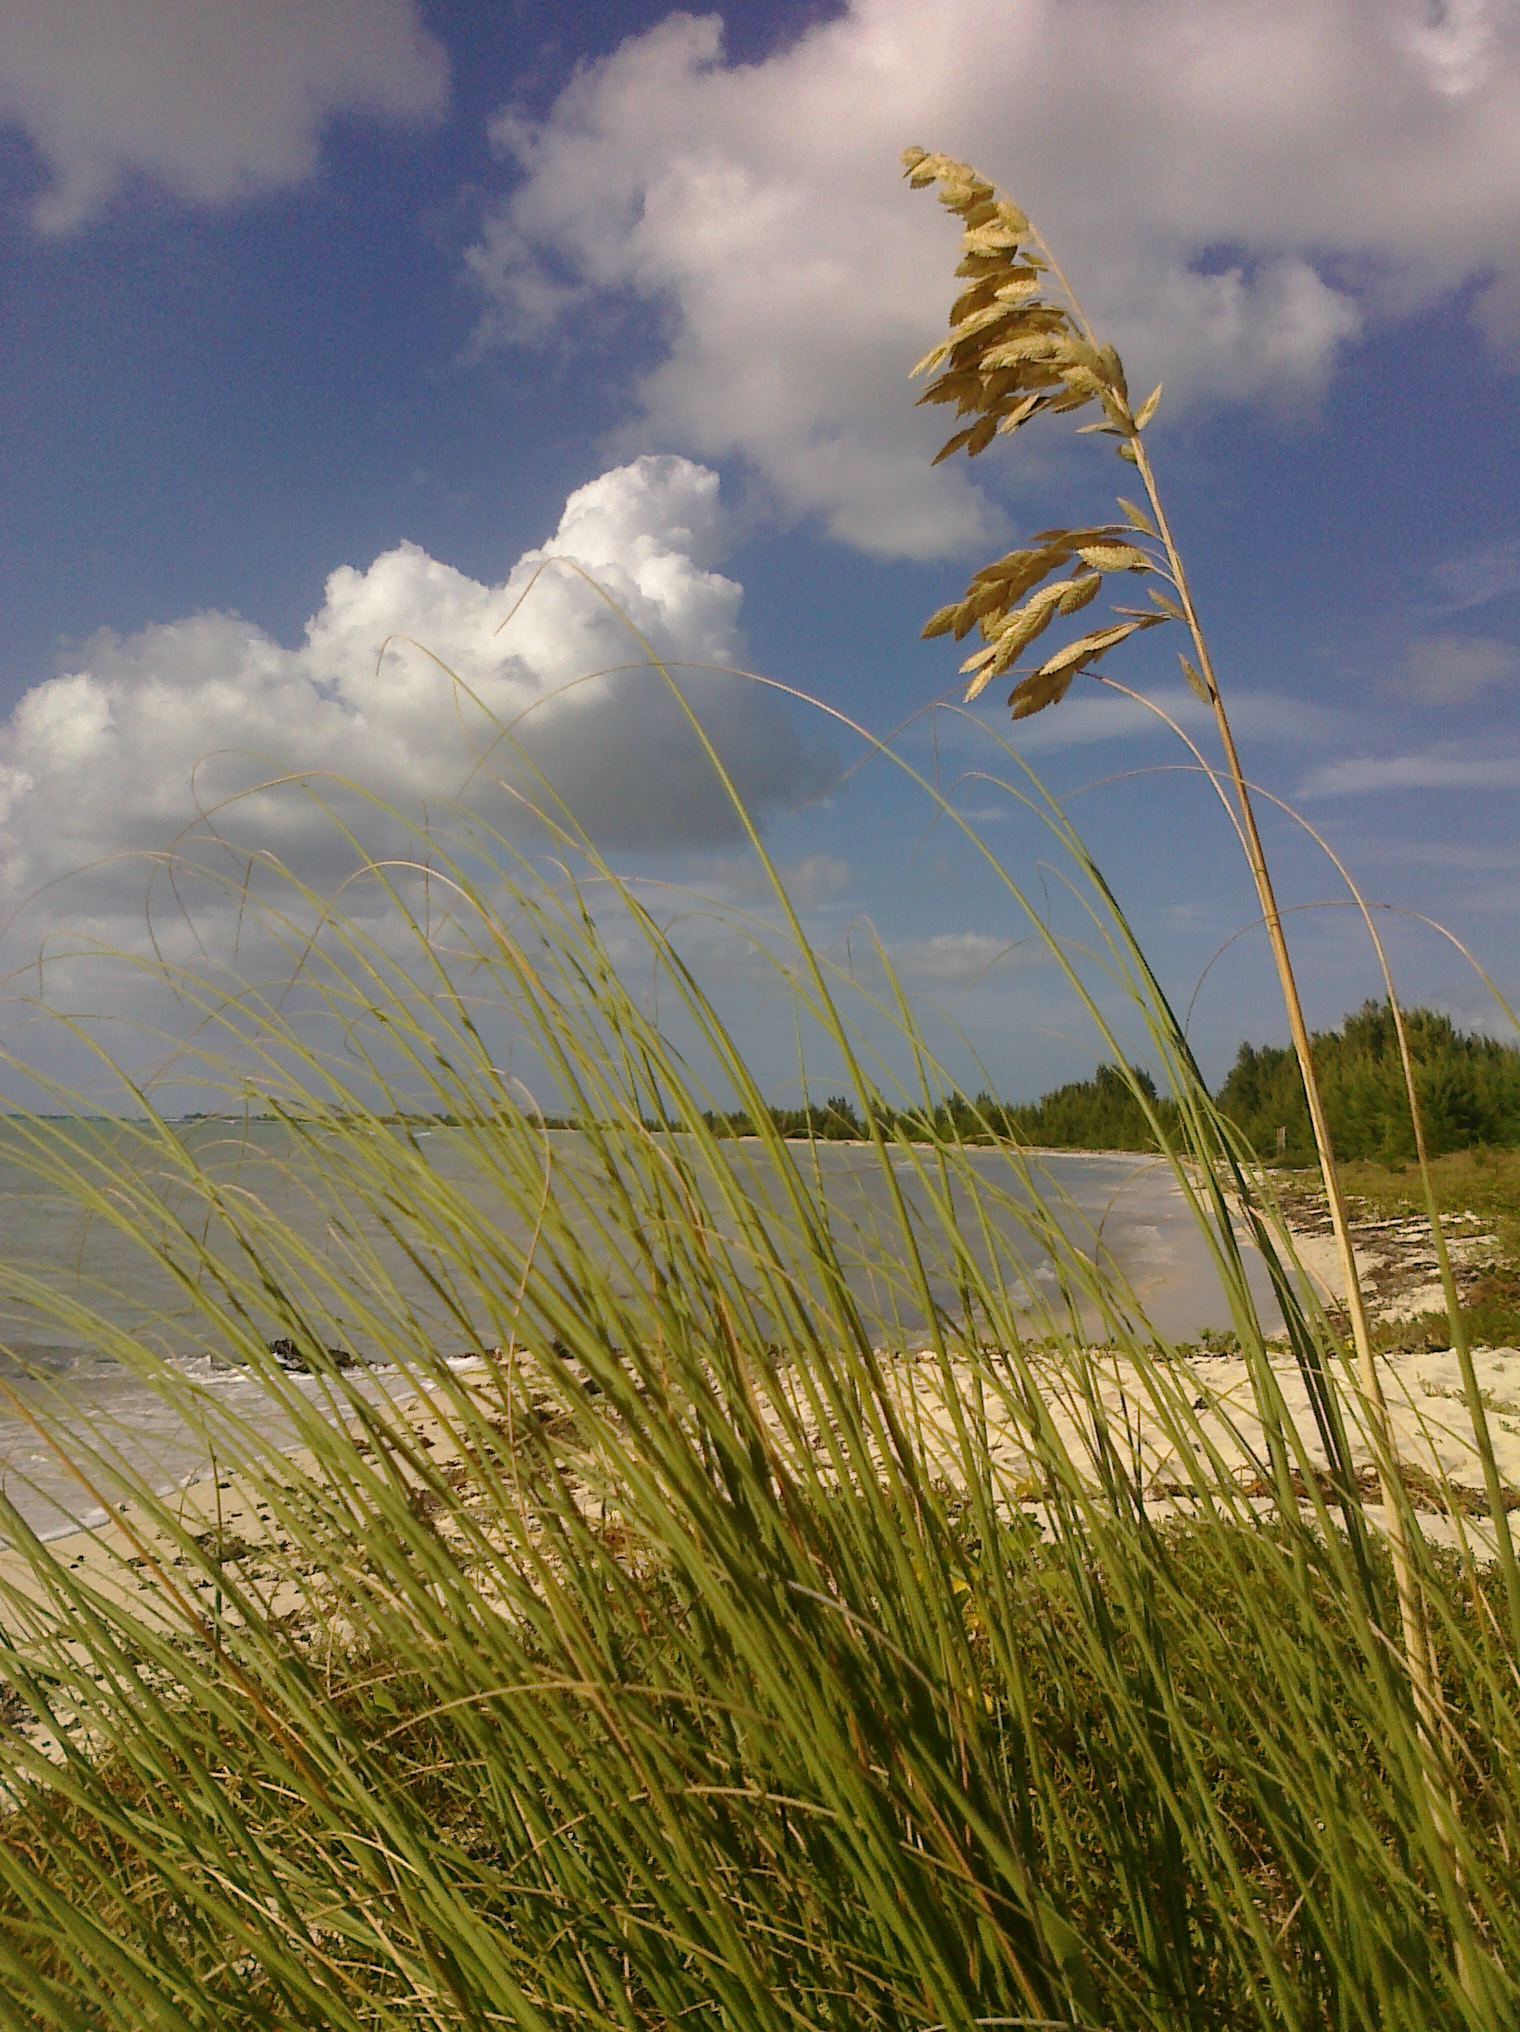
[(130, 1559)]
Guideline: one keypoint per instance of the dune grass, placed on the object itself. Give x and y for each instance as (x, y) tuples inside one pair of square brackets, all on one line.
[(675, 1676), (678, 1688)]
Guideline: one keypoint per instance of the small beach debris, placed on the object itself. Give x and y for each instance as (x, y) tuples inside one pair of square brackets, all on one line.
[(293, 1358)]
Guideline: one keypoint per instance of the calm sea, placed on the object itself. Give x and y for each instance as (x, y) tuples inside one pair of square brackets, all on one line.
[(54, 1377)]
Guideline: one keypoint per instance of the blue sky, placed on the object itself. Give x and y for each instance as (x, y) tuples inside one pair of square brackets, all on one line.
[(375, 290)]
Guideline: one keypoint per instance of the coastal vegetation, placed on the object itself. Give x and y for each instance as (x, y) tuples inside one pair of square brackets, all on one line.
[(1468, 1088), (1483, 1181), (1110, 1111), (677, 1672), (1476, 1191), (680, 1683)]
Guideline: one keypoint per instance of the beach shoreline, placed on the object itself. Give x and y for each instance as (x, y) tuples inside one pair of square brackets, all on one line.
[(1393, 1258)]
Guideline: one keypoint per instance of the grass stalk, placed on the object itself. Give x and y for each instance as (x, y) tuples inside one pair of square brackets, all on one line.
[(1414, 1633), (1012, 353), (835, 1743)]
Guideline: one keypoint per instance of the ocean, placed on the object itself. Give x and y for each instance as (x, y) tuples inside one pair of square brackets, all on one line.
[(70, 1410)]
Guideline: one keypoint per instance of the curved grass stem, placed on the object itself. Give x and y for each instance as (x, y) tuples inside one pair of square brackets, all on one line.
[(1435, 1728)]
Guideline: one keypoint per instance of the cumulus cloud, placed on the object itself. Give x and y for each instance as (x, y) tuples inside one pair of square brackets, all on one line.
[(210, 99), (1236, 191), (407, 686), (1452, 669)]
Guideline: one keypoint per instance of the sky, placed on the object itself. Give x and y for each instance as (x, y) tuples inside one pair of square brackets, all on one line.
[(325, 329)]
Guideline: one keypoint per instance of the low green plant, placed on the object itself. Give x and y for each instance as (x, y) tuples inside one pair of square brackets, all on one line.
[(1481, 1185), (1490, 1313)]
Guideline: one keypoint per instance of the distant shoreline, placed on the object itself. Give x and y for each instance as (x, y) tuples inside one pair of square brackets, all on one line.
[(431, 1124)]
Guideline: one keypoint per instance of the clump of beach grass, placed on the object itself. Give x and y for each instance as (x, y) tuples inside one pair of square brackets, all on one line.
[(665, 1674), (676, 1683)]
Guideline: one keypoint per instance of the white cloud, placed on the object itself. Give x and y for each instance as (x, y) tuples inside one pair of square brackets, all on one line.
[(211, 99), (1233, 189), (1413, 772), (97, 766), (1478, 576), (951, 959), (811, 881), (1451, 669)]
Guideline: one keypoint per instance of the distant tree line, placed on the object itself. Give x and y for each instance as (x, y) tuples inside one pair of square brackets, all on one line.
[(1469, 1091), (1101, 1113), (1468, 1088)]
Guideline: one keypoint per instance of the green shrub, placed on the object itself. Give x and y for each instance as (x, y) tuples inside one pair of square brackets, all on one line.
[(1468, 1087)]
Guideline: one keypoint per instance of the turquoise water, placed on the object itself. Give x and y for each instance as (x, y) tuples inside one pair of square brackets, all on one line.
[(1125, 1211)]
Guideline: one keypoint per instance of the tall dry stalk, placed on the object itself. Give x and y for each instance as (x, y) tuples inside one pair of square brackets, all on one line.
[(1013, 352)]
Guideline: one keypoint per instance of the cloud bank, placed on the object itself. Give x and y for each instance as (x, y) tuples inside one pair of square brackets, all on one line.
[(407, 686), (1235, 189), (210, 99)]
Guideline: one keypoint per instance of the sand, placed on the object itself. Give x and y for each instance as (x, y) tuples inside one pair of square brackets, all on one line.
[(131, 1560)]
